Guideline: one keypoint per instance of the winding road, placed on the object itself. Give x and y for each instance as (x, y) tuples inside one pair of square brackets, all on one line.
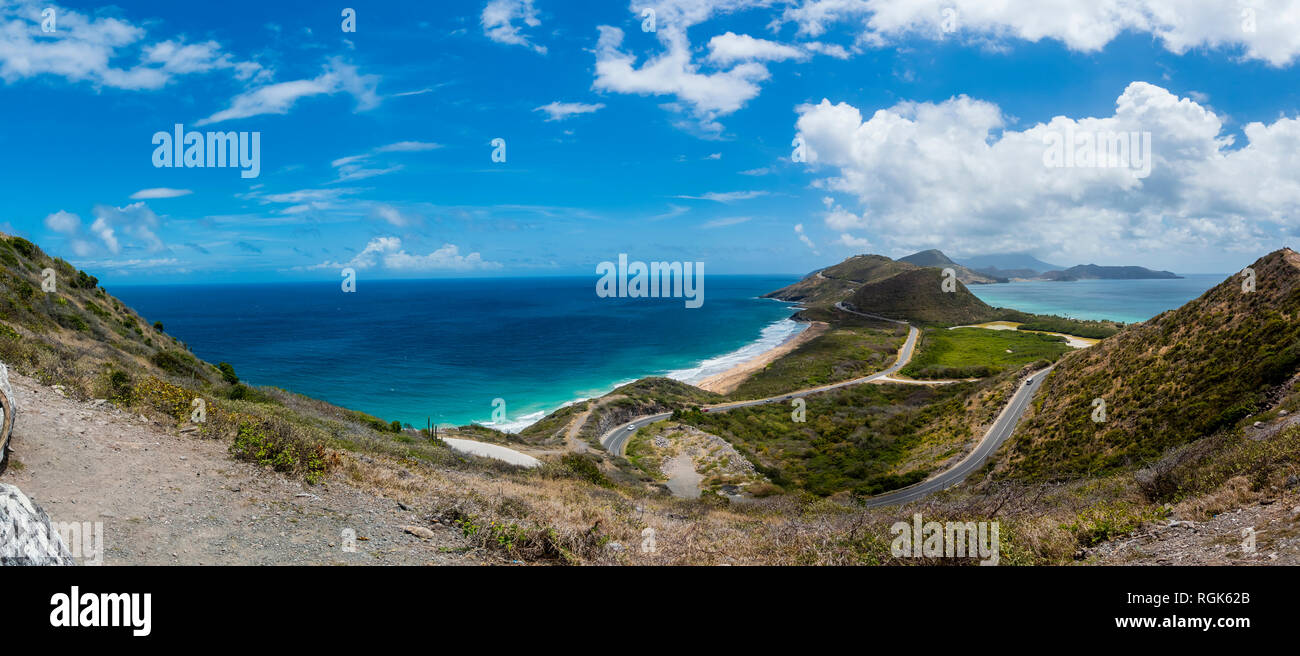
[(615, 441)]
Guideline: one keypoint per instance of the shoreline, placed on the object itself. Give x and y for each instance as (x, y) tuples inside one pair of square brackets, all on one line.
[(727, 381)]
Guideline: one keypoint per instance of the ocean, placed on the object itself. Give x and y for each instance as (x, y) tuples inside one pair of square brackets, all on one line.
[(446, 349), (1130, 301)]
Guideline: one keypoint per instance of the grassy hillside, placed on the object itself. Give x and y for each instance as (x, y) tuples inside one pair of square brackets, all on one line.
[(836, 283), (917, 295), (1176, 378), (844, 353), (92, 346)]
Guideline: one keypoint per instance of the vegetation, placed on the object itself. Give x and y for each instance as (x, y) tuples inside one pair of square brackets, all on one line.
[(852, 440), (977, 352), (1181, 376), (840, 354)]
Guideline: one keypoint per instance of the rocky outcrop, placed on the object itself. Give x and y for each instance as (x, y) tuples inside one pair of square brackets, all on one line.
[(26, 534)]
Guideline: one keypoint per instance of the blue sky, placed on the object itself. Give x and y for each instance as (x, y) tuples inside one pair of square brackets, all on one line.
[(922, 124)]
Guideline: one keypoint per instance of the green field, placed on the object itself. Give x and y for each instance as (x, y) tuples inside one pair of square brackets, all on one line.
[(843, 353), (979, 352)]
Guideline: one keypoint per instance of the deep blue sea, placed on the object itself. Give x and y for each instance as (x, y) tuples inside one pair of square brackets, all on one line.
[(1130, 301), (410, 350), (445, 349)]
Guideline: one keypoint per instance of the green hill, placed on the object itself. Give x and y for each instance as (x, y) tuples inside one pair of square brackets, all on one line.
[(918, 295), (833, 284), (1179, 377)]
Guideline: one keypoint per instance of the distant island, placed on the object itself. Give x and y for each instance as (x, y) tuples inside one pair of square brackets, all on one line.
[(1020, 267)]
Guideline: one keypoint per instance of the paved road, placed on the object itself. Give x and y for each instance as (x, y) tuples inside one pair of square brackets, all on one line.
[(997, 434), (615, 441)]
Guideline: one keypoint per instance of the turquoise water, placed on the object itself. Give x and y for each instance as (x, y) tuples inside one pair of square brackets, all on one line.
[(446, 349), (1130, 301)]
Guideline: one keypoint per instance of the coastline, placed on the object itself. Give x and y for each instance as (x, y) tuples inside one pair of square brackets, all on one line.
[(727, 381), (704, 375)]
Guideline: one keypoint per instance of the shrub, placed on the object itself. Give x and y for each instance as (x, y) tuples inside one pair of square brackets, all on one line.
[(158, 326), (119, 387), (25, 248), (283, 447), (169, 399), (228, 373)]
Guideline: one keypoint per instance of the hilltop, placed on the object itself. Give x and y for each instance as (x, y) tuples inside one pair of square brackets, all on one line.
[(918, 295), (934, 258), (1184, 375)]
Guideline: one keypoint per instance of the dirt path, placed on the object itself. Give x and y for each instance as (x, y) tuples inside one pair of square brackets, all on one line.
[(165, 499)]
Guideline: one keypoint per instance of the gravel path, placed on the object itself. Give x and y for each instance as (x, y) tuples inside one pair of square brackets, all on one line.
[(165, 499)]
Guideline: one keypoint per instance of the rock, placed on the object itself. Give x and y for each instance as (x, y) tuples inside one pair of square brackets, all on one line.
[(1295, 512), (1259, 424), (26, 535), (1282, 413), (614, 546), (419, 532)]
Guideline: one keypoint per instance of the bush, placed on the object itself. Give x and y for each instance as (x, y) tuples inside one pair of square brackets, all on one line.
[(283, 447), (158, 326), (228, 373), (119, 387), (25, 248), (170, 400)]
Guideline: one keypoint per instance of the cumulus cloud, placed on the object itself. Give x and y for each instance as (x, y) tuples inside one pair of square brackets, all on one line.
[(705, 96), (499, 20), (387, 253), (731, 47), (1262, 29), (952, 175), (558, 111), (279, 98), (86, 48)]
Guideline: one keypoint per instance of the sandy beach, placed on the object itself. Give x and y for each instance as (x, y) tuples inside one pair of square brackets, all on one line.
[(727, 381)]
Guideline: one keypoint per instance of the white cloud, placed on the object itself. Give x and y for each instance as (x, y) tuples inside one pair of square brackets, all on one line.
[(408, 147), (727, 197), (394, 217), (803, 237), (280, 97), (706, 96), (952, 175), (160, 192), (558, 111), (856, 243), (731, 47), (729, 221), (499, 18), (63, 222), (387, 253), (1180, 25), (85, 48)]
